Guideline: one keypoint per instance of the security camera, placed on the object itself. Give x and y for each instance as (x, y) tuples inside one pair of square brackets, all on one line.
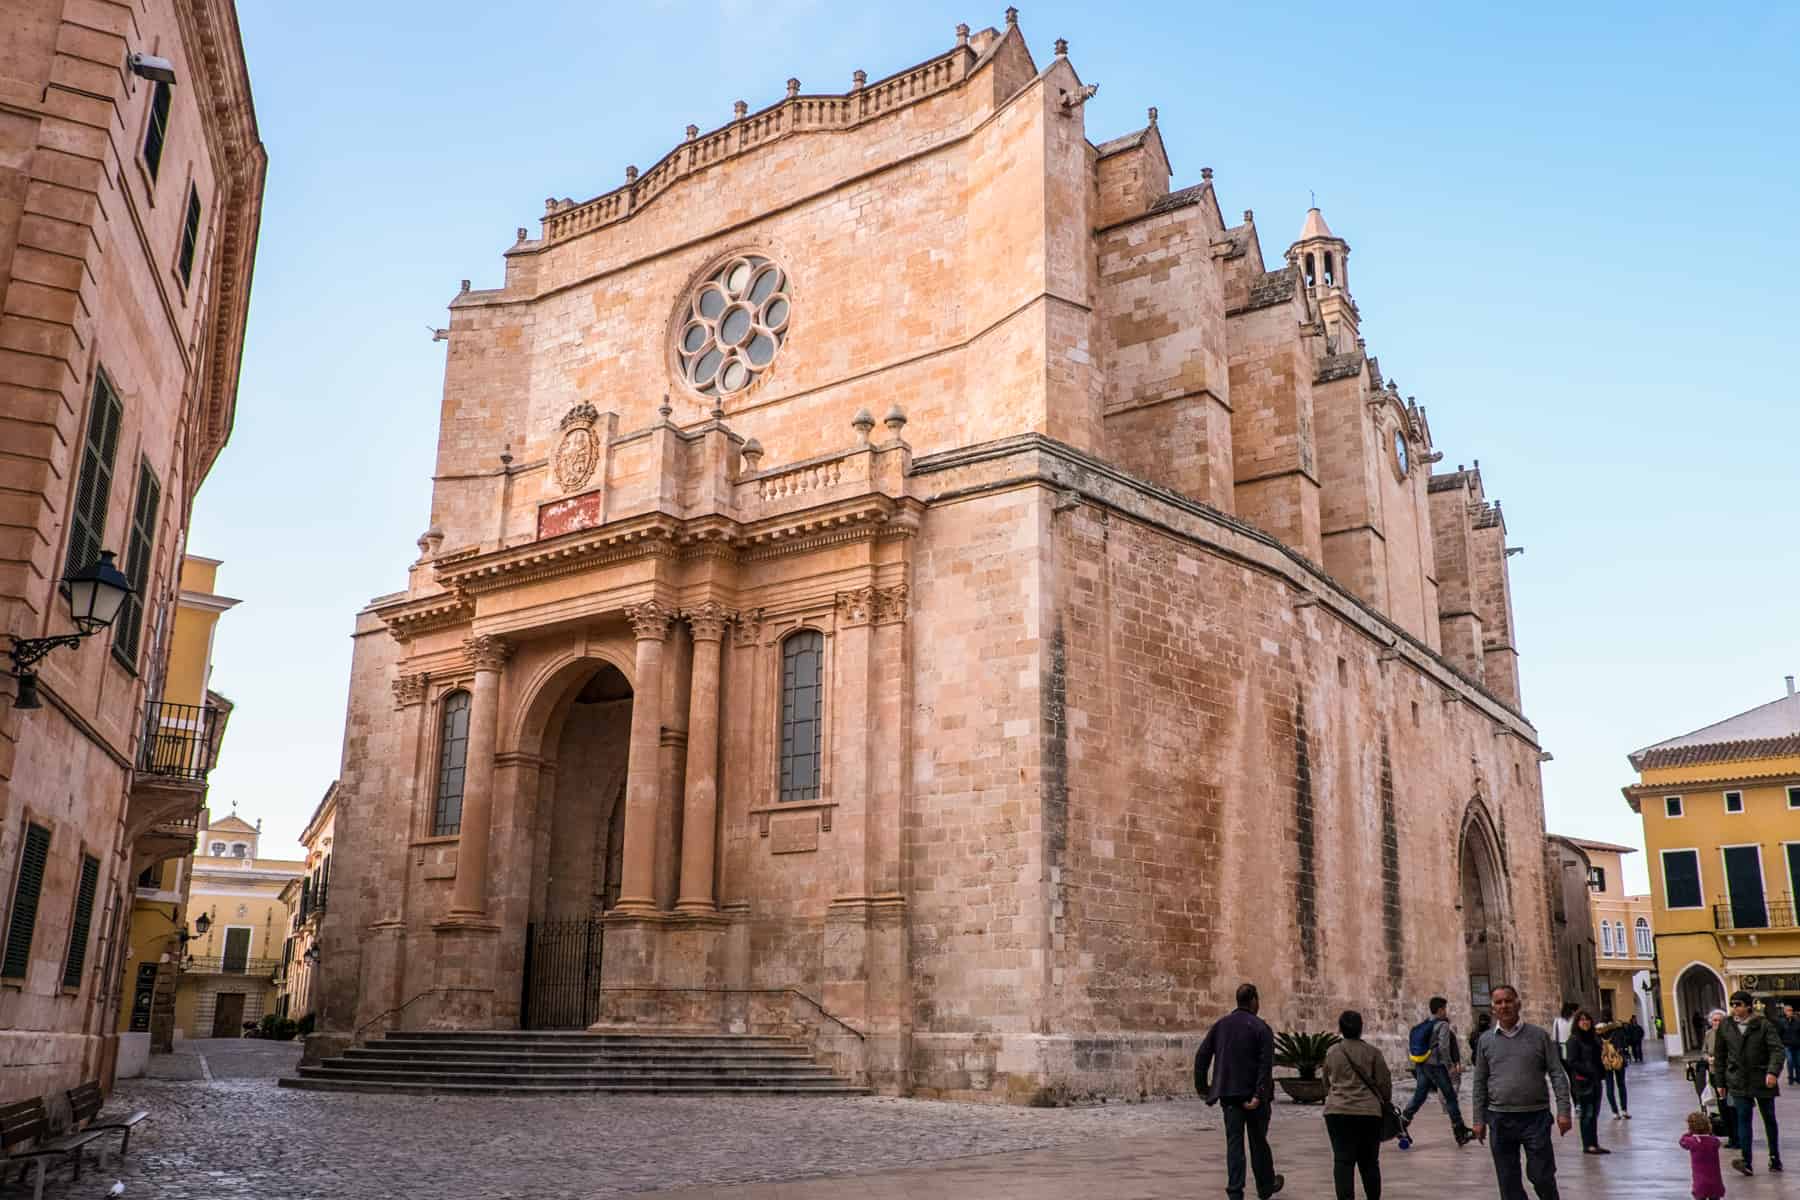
[(159, 70)]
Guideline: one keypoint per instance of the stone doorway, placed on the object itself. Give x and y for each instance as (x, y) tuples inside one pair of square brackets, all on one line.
[(577, 849), (1697, 992), (1483, 914)]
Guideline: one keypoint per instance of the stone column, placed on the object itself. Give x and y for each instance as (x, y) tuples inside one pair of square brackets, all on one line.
[(637, 874), (469, 898), (701, 811)]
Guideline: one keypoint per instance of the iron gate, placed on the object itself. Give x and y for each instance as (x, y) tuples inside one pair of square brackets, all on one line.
[(562, 974)]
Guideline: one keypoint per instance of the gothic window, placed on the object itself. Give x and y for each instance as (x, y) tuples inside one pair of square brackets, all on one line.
[(1311, 275), (453, 753), (732, 326), (1330, 275), (802, 697)]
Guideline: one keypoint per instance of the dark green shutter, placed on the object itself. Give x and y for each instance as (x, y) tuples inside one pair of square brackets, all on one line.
[(190, 236), (84, 920), (158, 131), (129, 625), (94, 488), (32, 861)]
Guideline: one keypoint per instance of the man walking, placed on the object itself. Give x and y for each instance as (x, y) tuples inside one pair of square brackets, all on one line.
[(1243, 1086), (1790, 1041), (1437, 1065), (1637, 1040), (1514, 1061), (1746, 1072)]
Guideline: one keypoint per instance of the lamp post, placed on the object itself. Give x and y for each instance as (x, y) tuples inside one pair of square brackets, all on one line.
[(95, 594)]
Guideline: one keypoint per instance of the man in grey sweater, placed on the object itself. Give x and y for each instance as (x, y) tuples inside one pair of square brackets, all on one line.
[(1511, 1065)]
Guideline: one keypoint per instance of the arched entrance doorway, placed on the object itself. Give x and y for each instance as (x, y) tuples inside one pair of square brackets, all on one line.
[(1484, 912), (1697, 992), (577, 847)]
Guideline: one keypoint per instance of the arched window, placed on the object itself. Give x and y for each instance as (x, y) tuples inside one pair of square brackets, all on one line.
[(1646, 945), (453, 756), (238, 849), (802, 699), (1330, 274), (218, 849), (1606, 938), (1310, 274)]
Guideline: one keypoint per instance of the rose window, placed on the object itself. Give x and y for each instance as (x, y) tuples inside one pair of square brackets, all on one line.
[(734, 324)]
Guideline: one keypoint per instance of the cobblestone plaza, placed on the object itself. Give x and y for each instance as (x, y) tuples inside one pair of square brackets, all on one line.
[(227, 1131)]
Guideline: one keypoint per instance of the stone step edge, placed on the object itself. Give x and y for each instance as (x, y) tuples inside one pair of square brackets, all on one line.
[(312, 1084)]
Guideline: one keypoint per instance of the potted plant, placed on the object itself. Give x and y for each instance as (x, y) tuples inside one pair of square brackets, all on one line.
[(1305, 1052)]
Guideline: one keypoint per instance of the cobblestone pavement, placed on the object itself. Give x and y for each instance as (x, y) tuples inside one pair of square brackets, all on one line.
[(236, 1135)]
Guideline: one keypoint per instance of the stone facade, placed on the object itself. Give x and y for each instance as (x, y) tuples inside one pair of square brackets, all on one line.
[(124, 284), (1129, 611)]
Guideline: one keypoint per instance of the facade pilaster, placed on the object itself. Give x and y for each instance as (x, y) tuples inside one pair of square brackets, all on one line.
[(701, 811), (637, 874)]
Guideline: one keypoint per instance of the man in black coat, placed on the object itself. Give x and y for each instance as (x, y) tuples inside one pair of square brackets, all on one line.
[(1242, 1048)]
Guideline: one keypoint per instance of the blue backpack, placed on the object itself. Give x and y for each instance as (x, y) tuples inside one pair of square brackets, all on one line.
[(1418, 1042)]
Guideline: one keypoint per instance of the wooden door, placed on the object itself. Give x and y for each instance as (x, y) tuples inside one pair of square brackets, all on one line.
[(228, 1016)]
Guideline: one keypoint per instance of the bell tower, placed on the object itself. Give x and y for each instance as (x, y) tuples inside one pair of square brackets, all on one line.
[(1323, 259)]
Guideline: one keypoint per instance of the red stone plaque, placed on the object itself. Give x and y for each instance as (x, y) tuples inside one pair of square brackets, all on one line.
[(566, 516)]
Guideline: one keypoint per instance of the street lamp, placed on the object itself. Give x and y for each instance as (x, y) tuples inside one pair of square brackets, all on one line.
[(95, 594), (312, 955)]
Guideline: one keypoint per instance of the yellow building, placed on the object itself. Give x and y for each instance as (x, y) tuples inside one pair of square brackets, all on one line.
[(1624, 936), (154, 942), (1721, 810), (306, 898), (227, 979)]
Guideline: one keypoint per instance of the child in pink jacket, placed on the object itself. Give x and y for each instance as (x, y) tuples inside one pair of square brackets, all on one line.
[(1703, 1157)]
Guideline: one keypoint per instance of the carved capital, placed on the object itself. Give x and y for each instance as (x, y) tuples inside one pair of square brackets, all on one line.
[(410, 689), (857, 607), (891, 604), (487, 652), (748, 628), (649, 620), (708, 620)]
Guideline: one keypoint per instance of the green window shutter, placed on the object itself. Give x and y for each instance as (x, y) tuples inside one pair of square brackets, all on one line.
[(129, 624), (190, 236), (32, 860), (94, 488), (158, 131), (84, 920)]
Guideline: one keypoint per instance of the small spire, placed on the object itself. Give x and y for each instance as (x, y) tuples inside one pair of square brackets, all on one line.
[(693, 131), (793, 87), (1315, 226), (858, 78), (1012, 18), (738, 109), (630, 174), (962, 35), (1062, 47), (1206, 174), (1153, 116)]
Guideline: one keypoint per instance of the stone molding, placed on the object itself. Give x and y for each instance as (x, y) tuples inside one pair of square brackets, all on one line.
[(487, 652), (747, 629), (872, 605), (708, 620), (411, 689), (650, 620)]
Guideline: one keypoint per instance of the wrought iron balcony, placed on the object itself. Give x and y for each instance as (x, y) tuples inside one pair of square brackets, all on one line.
[(223, 964), (180, 740), (1740, 918)]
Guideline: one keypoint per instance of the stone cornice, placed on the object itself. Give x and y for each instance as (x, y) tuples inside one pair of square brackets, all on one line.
[(409, 618)]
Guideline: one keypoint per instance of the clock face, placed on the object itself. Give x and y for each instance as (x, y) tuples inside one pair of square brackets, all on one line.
[(1400, 459)]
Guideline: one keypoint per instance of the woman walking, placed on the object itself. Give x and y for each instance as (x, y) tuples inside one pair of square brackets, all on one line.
[(1615, 1055), (1585, 1072), (1359, 1088)]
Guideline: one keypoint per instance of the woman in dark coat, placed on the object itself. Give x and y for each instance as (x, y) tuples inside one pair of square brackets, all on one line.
[(1585, 1073)]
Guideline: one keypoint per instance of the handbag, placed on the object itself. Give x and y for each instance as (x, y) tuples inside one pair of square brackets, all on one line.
[(1393, 1125)]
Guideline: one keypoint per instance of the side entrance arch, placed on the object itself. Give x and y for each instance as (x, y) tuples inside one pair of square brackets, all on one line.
[(1486, 913)]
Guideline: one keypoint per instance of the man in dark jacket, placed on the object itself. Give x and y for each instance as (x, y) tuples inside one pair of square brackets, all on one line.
[(1790, 1041), (1746, 1072), (1242, 1048)]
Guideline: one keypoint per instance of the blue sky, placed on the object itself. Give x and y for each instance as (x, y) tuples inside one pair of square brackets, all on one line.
[(1569, 226)]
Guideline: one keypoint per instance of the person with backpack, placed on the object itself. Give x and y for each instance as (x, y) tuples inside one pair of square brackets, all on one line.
[(1437, 1065), (1615, 1049), (1357, 1102)]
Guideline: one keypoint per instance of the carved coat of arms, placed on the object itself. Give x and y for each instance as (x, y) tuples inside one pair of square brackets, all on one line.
[(579, 451)]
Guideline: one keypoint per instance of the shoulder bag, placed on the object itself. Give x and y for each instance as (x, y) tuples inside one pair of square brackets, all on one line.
[(1393, 1125)]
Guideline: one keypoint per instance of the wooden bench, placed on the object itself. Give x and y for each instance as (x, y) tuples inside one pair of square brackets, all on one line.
[(24, 1125), (85, 1102)]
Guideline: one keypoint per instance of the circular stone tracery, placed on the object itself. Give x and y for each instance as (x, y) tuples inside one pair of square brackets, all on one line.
[(733, 324)]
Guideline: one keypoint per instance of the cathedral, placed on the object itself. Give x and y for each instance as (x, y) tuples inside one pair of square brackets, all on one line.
[(902, 575)]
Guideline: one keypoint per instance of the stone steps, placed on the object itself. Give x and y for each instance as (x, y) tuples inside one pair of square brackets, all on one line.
[(506, 1062)]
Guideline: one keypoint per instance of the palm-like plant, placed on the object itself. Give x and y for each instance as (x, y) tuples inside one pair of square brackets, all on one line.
[(1305, 1052)]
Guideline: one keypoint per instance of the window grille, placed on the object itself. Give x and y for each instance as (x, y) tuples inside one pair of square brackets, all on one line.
[(802, 705), (453, 757)]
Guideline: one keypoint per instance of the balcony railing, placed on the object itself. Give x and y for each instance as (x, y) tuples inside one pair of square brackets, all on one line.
[(179, 740), (1776, 914), (220, 964)]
